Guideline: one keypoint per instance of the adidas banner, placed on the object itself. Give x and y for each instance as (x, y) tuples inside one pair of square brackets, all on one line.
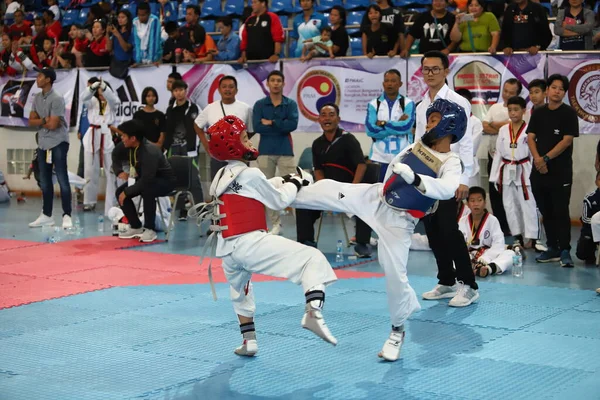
[(18, 93), (203, 81), (129, 90)]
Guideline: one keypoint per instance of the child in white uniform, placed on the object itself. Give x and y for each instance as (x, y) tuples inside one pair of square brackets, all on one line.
[(241, 194), (484, 237), (510, 173), (421, 174)]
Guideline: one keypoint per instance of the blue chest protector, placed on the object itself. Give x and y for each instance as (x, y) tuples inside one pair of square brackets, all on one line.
[(404, 197)]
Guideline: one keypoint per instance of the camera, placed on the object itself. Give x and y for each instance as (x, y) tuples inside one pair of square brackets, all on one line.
[(113, 20)]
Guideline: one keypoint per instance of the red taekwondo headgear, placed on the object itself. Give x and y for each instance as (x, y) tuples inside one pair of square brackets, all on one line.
[(225, 143)]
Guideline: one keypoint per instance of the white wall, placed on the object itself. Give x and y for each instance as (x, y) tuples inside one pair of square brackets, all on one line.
[(583, 156)]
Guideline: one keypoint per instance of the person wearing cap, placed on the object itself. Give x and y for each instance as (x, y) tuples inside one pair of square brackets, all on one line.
[(48, 115), (150, 176)]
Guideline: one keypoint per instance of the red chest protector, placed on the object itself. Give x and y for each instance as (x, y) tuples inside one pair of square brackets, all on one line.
[(242, 215)]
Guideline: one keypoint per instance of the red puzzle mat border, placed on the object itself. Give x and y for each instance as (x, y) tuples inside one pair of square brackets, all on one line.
[(32, 271)]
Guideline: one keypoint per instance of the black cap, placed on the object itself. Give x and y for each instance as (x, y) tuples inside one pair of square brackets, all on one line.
[(48, 72)]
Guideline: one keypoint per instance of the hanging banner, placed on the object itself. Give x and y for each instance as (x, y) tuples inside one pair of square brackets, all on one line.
[(583, 71), (351, 84), (482, 75), (18, 93), (129, 90), (203, 81)]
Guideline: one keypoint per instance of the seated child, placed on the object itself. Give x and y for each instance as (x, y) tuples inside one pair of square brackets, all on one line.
[(485, 239), (590, 228), (319, 46)]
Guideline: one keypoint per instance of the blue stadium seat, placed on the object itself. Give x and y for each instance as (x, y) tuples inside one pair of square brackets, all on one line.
[(82, 17), (284, 21), (236, 25), (284, 7), (211, 8), (357, 4), (190, 2), (418, 10), (216, 38), (356, 46), (155, 9), (208, 24), (293, 45), (70, 17), (181, 12), (548, 7), (326, 5), (234, 7), (131, 7), (354, 17), (63, 4), (403, 3), (181, 23)]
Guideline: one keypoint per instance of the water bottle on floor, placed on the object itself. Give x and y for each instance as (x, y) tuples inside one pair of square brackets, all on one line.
[(517, 267), (101, 223), (339, 252), (54, 235)]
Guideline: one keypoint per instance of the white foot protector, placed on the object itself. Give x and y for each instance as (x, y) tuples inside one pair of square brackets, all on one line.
[(314, 322), (249, 348), (392, 346)]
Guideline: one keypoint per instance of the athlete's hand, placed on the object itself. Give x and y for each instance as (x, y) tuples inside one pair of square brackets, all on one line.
[(462, 192), (405, 172)]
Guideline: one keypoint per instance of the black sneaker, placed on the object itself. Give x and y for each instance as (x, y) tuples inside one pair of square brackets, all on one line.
[(565, 259), (182, 215), (362, 251)]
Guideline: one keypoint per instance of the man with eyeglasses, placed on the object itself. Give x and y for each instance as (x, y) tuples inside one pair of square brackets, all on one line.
[(455, 275)]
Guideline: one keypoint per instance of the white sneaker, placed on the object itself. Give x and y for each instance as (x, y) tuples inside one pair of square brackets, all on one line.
[(373, 242), (276, 230), (148, 236), (539, 246), (392, 346), (42, 220), (131, 233), (441, 292), (67, 222), (249, 348), (464, 296), (314, 322)]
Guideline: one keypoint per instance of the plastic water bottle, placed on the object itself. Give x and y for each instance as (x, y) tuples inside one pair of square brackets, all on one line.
[(517, 267), (339, 252), (100, 223), (76, 225), (54, 236)]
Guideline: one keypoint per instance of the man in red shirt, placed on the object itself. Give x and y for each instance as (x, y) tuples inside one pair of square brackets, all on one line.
[(20, 28), (53, 28), (262, 36)]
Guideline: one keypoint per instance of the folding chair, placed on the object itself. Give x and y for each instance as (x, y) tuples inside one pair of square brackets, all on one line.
[(183, 167)]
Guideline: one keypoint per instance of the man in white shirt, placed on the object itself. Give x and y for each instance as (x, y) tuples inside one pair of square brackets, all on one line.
[(496, 118), (215, 111), (445, 239)]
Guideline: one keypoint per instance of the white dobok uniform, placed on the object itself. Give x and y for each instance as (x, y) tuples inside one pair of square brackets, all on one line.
[(487, 242), (393, 226), (98, 147), (256, 251), (510, 172)]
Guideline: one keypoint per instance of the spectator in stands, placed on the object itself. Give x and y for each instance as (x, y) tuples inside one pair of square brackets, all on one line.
[(574, 25), (52, 6), (20, 29), (96, 12), (175, 41), (192, 16), (63, 58), (377, 38), (96, 53), (245, 15), (390, 120), (228, 46), (496, 118), (339, 35), (318, 46), (53, 27), (167, 11), (181, 140), (228, 105), (275, 117), (307, 25), (551, 131), (336, 155), (596, 33), (146, 36), (154, 178), (262, 35), (46, 57), (525, 28), (389, 15), (14, 60), (480, 34), (80, 43), (11, 7), (432, 28), (121, 40), (203, 46), (154, 120)]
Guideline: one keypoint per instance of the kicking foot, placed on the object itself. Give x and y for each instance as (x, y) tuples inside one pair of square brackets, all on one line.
[(392, 346), (441, 292), (249, 348), (314, 322)]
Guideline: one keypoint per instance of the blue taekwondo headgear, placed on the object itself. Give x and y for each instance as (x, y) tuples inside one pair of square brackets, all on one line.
[(453, 122)]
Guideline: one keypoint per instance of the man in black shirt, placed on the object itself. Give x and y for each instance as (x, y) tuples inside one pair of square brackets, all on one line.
[(153, 178), (551, 131), (433, 29), (262, 35), (337, 155), (525, 27)]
